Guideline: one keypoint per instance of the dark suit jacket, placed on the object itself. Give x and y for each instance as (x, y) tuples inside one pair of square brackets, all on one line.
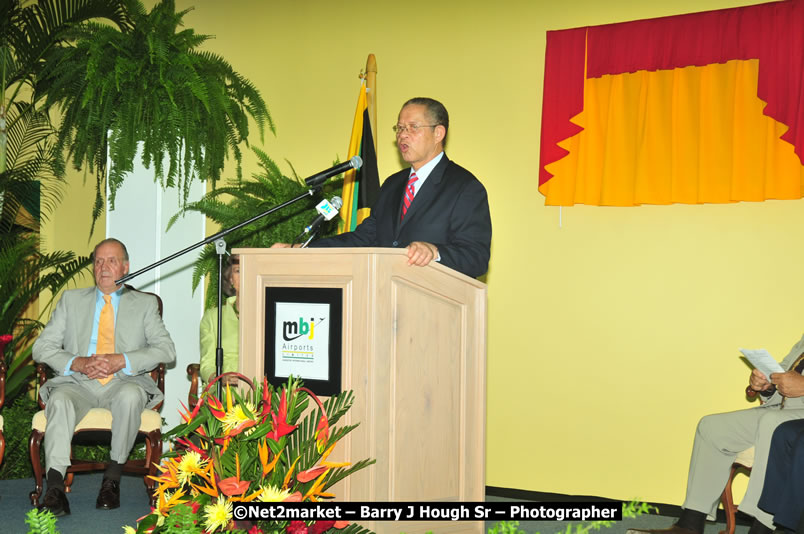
[(451, 211)]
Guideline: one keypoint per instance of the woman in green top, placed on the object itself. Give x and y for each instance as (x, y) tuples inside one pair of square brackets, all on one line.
[(230, 329)]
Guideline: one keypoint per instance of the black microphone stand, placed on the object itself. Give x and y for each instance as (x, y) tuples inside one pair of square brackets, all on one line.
[(220, 247)]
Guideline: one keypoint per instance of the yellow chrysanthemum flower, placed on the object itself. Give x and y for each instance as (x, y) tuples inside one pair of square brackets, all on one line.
[(273, 494), (218, 514), (129, 530), (190, 464), (236, 416)]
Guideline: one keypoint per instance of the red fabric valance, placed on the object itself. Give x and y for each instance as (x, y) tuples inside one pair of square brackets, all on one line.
[(773, 33)]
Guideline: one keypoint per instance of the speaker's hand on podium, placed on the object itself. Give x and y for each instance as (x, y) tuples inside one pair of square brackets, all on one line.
[(421, 253)]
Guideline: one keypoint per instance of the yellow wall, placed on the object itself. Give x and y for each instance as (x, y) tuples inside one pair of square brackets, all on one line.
[(608, 336)]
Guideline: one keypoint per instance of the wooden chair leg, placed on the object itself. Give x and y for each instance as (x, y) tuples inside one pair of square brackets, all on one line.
[(2, 447), (727, 499), (68, 482), (153, 456), (34, 445)]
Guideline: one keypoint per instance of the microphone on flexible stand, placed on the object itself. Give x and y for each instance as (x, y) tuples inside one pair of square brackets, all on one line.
[(318, 179)]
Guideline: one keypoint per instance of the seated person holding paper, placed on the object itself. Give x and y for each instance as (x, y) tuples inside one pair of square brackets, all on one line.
[(230, 326), (720, 437)]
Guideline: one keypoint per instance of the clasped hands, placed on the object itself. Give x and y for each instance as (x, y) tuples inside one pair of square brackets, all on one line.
[(790, 383), (98, 365)]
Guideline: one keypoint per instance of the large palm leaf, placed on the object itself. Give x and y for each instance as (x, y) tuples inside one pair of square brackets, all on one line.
[(31, 170), (25, 272)]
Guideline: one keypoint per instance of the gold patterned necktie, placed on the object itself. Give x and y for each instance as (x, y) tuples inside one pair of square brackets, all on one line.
[(106, 332)]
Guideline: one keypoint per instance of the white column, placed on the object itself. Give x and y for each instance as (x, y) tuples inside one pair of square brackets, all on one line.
[(142, 211)]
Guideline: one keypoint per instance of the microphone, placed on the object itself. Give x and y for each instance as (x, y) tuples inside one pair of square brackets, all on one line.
[(318, 179), (327, 211)]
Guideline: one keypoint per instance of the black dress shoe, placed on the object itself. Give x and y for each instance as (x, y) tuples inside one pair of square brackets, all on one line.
[(109, 495), (56, 502)]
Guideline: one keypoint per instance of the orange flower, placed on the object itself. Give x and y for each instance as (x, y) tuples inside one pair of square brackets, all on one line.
[(324, 465), (262, 448), (289, 474), (169, 477), (233, 485), (209, 477), (315, 491), (294, 497)]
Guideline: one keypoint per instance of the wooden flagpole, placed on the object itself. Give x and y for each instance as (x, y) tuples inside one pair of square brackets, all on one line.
[(371, 85)]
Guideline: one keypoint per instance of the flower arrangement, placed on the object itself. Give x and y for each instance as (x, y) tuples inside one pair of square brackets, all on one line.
[(262, 444)]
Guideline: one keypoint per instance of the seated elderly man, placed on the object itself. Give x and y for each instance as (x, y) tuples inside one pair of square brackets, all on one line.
[(720, 437), (783, 490), (101, 342)]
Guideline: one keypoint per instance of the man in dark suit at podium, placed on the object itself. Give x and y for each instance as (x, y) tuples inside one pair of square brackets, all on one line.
[(436, 209)]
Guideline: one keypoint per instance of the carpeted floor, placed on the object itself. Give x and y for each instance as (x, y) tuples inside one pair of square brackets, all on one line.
[(14, 504), (84, 517)]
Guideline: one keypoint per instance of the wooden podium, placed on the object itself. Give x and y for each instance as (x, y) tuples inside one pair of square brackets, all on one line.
[(413, 352)]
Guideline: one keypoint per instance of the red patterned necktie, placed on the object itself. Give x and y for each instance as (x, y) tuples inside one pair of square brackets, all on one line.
[(409, 192)]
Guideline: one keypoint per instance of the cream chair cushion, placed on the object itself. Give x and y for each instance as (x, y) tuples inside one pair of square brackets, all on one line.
[(101, 418), (745, 458)]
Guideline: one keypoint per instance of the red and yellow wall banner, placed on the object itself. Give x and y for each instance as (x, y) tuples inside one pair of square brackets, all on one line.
[(698, 108)]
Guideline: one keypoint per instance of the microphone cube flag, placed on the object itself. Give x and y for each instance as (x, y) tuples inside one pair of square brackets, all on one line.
[(326, 209)]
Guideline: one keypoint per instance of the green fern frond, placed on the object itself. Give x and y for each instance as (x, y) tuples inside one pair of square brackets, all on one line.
[(187, 111), (41, 522)]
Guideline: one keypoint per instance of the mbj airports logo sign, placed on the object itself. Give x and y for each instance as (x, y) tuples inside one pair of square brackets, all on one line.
[(293, 330), (302, 340)]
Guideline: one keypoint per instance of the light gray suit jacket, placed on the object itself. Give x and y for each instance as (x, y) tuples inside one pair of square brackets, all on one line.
[(139, 332)]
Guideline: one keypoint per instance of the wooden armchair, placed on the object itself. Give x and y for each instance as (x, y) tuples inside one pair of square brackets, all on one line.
[(742, 464), (96, 427), (194, 372)]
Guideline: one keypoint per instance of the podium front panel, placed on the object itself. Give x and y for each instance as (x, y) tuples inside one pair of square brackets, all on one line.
[(414, 353)]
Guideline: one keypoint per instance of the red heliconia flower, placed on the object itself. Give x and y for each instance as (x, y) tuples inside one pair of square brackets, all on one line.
[(255, 530), (187, 415), (266, 400), (187, 444), (5, 340), (216, 407), (281, 426)]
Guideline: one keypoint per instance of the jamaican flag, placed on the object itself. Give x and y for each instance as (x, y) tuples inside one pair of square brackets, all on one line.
[(360, 187)]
